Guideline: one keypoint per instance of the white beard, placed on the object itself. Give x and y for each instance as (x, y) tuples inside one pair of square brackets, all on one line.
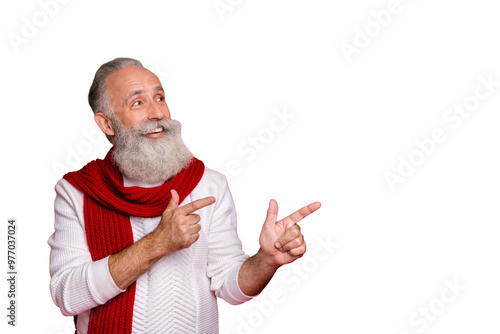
[(151, 160)]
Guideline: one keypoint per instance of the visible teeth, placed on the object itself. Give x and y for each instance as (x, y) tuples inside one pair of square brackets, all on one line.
[(158, 129)]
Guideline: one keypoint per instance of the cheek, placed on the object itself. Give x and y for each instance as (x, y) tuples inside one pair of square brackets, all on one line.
[(132, 119)]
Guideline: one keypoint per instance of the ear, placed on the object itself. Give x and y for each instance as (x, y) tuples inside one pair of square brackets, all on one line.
[(104, 123)]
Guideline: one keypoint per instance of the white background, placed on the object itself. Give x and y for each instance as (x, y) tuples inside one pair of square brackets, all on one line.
[(226, 73)]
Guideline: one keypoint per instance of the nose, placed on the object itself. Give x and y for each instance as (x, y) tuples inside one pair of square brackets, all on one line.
[(158, 111)]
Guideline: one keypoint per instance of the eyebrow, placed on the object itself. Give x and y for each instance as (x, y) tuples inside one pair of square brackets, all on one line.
[(139, 92)]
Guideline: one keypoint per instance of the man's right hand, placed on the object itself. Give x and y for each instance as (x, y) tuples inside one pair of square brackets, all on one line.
[(179, 227)]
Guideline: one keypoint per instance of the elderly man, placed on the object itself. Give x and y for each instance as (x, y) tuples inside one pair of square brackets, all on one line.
[(145, 240)]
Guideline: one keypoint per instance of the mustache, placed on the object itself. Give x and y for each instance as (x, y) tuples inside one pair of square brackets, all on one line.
[(149, 126)]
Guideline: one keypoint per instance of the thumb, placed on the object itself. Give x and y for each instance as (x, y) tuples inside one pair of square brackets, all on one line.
[(272, 214), (174, 201)]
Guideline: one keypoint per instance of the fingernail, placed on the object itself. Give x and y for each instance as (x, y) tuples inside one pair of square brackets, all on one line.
[(277, 245)]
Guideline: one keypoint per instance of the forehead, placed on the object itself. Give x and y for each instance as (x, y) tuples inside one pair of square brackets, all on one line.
[(122, 82)]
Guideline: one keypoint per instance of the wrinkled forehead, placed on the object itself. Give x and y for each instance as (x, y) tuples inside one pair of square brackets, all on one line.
[(121, 83)]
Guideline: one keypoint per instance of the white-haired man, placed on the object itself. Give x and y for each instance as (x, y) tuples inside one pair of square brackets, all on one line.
[(145, 240)]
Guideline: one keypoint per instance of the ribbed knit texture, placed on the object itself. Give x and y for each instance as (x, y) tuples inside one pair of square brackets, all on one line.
[(208, 269), (107, 207)]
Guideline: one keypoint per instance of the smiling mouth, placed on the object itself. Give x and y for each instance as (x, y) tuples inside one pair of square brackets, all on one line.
[(157, 130)]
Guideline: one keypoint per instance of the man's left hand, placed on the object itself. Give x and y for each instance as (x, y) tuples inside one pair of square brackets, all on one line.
[(281, 241)]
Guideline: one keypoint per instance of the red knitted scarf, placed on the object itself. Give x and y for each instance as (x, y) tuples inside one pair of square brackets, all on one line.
[(107, 208)]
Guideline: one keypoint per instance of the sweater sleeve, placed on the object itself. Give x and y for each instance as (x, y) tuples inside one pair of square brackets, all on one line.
[(225, 254), (77, 283)]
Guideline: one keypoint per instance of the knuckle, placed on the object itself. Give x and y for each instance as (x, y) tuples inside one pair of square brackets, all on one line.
[(298, 251), (181, 220), (191, 240), (186, 242), (182, 229), (295, 232)]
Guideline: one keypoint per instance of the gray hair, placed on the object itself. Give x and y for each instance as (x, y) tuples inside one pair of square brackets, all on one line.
[(99, 98)]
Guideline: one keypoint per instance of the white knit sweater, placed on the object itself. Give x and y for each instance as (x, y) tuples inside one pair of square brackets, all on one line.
[(178, 293)]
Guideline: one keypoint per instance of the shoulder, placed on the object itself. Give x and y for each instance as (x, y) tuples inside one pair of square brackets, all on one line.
[(212, 175), (212, 183), (64, 187), (67, 194)]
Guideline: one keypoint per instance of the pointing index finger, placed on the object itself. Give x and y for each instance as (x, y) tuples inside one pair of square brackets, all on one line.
[(300, 214), (196, 205)]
